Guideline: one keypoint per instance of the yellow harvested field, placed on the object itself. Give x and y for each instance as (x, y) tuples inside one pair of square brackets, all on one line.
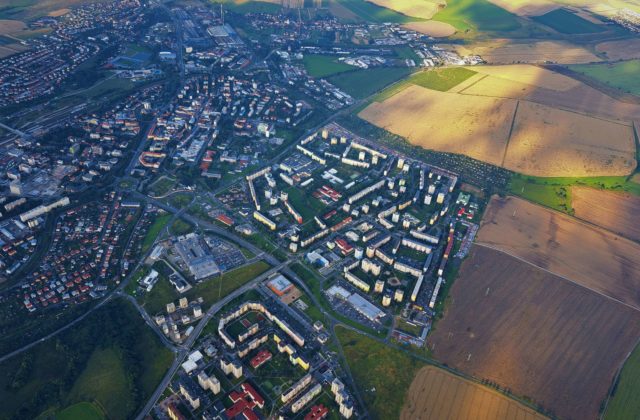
[(546, 87), (579, 252), (528, 75), (620, 50), (424, 9), (436, 394), (526, 7), (547, 141), (504, 51), (474, 126), (11, 26), (432, 28)]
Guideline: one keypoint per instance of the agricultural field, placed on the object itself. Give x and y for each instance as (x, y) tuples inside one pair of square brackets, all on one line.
[(424, 9), (324, 65), (566, 22), (369, 12), (624, 402), (614, 211), (471, 125), (506, 51), (432, 28), (478, 15), (251, 6), (382, 374), (543, 338), (527, 7), (626, 49), (32, 9), (546, 141), (584, 254), (437, 394), (480, 116), (111, 358), (363, 83), (621, 75)]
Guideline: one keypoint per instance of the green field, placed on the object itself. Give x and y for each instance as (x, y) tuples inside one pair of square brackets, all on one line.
[(161, 186), (566, 22), (363, 83), (324, 65), (556, 192), (370, 12), (624, 403), (111, 358), (210, 291), (154, 230), (81, 411), (479, 15), (251, 6), (180, 227), (441, 79), (376, 366), (622, 75)]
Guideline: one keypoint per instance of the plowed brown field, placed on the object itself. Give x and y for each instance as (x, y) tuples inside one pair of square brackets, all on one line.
[(534, 333), (589, 256)]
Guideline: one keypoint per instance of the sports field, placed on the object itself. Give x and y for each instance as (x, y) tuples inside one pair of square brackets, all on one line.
[(436, 394), (620, 75)]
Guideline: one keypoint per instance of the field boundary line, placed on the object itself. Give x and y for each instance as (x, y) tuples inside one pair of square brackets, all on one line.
[(513, 123), (472, 84), (616, 379), (485, 245)]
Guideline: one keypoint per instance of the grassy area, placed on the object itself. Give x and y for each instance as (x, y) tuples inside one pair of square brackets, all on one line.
[(363, 83), (622, 75), (111, 358), (373, 13), (441, 79), (217, 288), (154, 230), (567, 22), (180, 227), (161, 186), (105, 380), (382, 373), (556, 192), (324, 65), (243, 6), (624, 403), (162, 293), (83, 410), (480, 15)]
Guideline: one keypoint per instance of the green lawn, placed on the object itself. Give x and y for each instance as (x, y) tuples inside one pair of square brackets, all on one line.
[(480, 15), (180, 227), (162, 293), (324, 65), (625, 403), (111, 358), (363, 83), (383, 374), (154, 230), (81, 411), (162, 186), (622, 75), (372, 13), (217, 288)]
